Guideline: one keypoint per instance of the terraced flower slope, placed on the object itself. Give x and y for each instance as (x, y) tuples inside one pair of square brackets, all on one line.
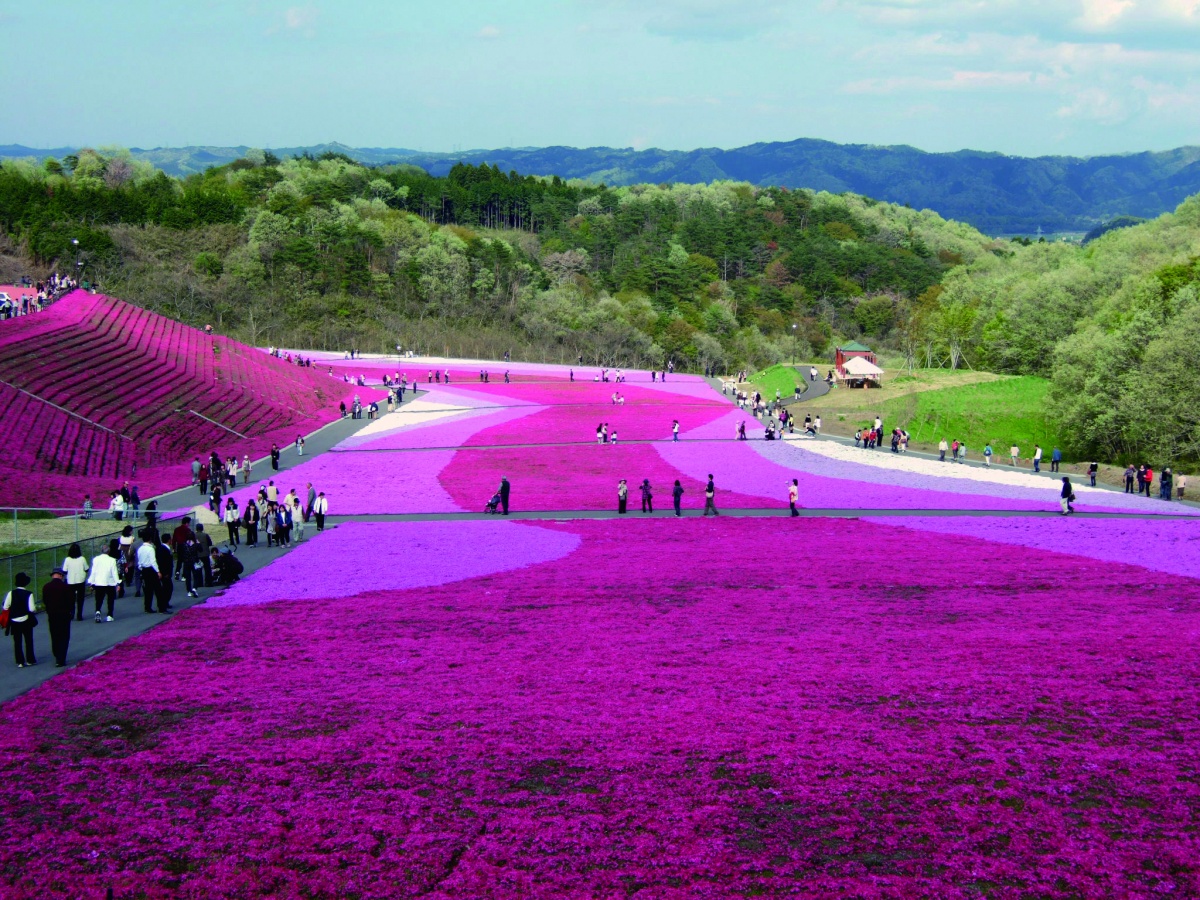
[(907, 706)]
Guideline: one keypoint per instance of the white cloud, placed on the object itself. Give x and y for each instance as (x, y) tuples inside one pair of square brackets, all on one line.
[(963, 80), (300, 18), (488, 32)]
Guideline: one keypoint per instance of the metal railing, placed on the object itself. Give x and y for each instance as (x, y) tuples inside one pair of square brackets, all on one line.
[(35, 541)]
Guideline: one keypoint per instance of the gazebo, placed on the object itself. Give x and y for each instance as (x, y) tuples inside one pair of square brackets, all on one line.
[(852, 350), (859, 369)]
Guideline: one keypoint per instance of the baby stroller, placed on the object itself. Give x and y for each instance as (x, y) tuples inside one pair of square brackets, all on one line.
[(493, 505)]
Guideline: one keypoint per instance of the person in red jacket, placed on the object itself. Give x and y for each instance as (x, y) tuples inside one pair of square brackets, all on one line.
[(180, 536), (1149, 481)]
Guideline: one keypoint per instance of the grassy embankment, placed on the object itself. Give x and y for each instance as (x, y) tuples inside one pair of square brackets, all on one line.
[(974, 407), (781, 377)]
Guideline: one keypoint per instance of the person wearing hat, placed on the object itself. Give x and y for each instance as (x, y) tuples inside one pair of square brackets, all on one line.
[(18, 603), (58, 599)]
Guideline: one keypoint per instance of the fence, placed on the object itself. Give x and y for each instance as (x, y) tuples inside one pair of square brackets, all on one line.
[(35, 541)]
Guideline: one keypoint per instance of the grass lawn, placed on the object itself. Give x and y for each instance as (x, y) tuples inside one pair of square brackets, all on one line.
[(897, 385), (1001, 412), (781, 377)]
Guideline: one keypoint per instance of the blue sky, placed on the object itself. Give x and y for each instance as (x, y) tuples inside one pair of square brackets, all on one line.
[(1076, 77)]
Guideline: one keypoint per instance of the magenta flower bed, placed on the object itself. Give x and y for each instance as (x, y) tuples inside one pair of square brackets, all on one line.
[(365, 482), (451, 431), (903, 718), (1163, 546), (580, 477), (390, 556), (155, 367)]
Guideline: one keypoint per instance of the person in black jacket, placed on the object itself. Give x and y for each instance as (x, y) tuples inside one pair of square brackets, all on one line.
[(21, 620), (1066, 496), (505, 487), (166, 563), (647, 497), (59, 601), (275, 457)]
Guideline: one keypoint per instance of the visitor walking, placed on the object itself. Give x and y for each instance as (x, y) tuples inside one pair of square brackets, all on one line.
[(320, 510), (166, 587), (622, 496), (710, 493), (275, 457), (233, 522), (647, 497), (250, 519), (59, 602), (1055, 459), (152, 577), (1014, 455), (793, 496), (1130, 475), (1165, 484), (18, 603), (675, 431), (1066, 496), (987, 456), (677, 497), (1037, 458), (76, 568), (942, 448), (1093, 471), (1149, 482), (104, 578), (1181, 486), (505, 489)]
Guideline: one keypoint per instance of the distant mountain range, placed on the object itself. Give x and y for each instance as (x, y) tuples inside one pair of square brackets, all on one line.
[(996, 193)]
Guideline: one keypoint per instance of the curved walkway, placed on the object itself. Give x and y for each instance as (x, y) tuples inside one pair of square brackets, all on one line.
[(812, 389)]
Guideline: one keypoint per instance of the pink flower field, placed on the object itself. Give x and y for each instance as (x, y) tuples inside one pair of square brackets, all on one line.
[(903, 706), (880, 715)]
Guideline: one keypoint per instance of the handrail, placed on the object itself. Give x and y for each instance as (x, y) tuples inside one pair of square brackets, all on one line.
[(214, 422), (63, 409)]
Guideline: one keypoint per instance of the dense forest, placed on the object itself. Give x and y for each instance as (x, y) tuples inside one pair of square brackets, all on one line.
[(997, 193), (325, 252)]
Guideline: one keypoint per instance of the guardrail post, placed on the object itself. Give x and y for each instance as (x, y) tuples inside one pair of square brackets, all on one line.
[(16, 536)]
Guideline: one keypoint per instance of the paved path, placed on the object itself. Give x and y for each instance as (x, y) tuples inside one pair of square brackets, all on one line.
[(812, 389)]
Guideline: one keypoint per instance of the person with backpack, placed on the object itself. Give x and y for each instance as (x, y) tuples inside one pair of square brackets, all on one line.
[(20, 620), (987, 456)]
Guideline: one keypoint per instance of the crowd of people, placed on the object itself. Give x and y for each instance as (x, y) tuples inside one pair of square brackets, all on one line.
[(146, 563), (33, 296)]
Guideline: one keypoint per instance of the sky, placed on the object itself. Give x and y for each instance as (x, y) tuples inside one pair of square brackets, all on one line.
[(1076, 77)]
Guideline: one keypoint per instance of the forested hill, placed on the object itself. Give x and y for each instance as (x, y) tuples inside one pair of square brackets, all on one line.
[(997, 194)]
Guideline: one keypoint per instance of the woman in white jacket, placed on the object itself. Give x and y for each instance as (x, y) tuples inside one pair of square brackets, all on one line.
[(105, 578), (76, 567)]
